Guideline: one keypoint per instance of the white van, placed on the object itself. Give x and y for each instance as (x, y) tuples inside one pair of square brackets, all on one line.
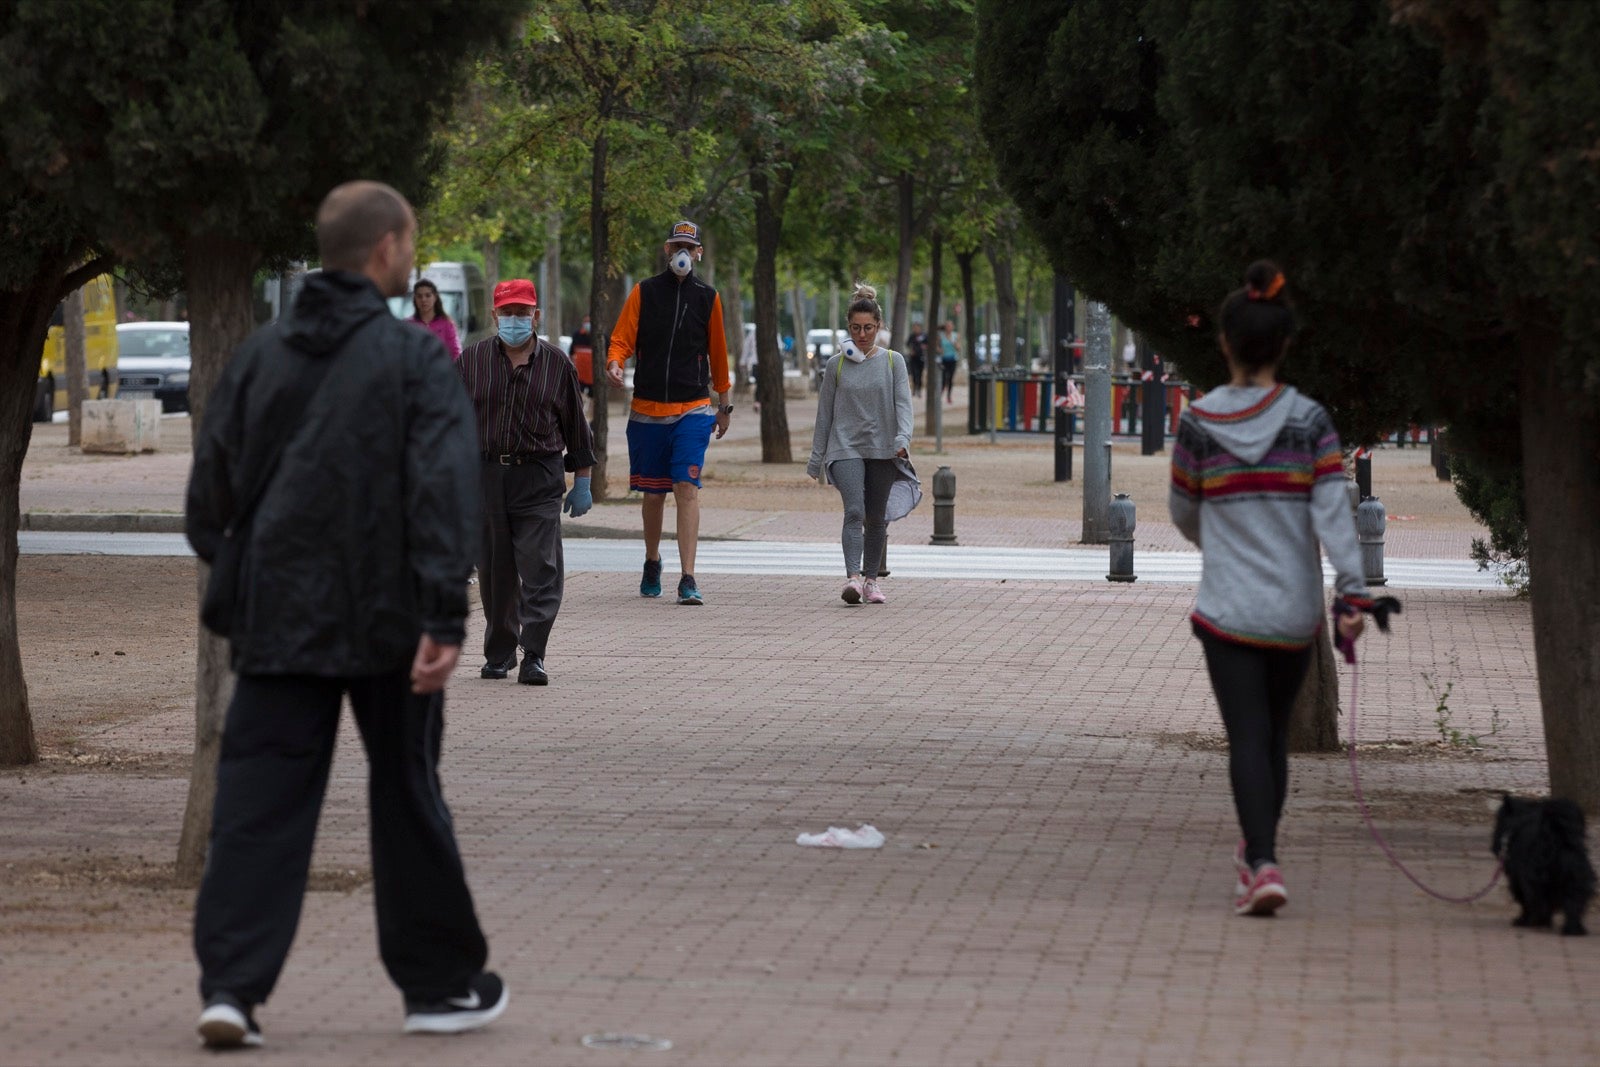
[(463, 293)]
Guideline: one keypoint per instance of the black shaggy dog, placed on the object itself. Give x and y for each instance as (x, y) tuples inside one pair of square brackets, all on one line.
[(1541, 844)]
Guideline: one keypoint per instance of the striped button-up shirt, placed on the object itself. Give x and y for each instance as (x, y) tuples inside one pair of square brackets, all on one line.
[(534, 409)]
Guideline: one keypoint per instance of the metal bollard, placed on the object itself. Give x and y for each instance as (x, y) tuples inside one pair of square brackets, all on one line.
[(944, 507), (1371, 521), (1119, 526)]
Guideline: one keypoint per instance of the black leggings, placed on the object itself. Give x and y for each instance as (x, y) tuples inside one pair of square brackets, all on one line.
[(1255, 690), (947, 371)]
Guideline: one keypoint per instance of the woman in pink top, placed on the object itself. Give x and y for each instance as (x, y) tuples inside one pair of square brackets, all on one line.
[(430, 313)]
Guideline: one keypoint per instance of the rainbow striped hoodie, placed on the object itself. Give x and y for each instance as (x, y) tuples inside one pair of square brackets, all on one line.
[(1257, 482)]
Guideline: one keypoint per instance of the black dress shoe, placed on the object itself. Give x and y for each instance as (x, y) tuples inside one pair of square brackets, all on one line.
[(498, 670), (533, 672)]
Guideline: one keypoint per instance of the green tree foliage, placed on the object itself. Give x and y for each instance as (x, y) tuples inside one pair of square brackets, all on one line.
[(1426, 180), (197, 137)]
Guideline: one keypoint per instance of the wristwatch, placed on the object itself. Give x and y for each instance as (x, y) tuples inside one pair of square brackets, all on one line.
[(726, 409)]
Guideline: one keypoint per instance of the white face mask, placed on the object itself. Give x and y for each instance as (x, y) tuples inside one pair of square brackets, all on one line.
[(682, 262)]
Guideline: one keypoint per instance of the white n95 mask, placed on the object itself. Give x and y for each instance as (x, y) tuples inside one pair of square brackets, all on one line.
[(681, 263)]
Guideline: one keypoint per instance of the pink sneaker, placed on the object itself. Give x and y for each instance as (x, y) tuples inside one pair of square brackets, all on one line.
[(1242, 885), (1265, 893), (873, 592), (851, 594)]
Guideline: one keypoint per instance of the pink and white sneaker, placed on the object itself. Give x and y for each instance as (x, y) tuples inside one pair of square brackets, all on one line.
[(873, 592), (1242, 868), (851, 594), (1265, 893)]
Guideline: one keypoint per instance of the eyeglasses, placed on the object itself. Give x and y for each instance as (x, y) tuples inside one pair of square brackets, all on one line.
[(863, 327)]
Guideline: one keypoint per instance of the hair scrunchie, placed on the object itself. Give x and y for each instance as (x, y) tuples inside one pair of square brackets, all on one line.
[(1273, 288)]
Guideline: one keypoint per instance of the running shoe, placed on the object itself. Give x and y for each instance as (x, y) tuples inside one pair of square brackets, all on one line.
[(483, 1002), (873, 592), (851, 594), (1265, 893), (1242, 869), (650, 584), (227, 1022), (688, 592)]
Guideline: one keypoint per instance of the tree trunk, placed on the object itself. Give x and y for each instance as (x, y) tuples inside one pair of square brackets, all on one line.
[(733, 323), (1561, 477), (602, 308), (24, 322), (970, 303), (491, 266), (1314, 720), (930, 371), (217, 273), (1005, 298), (770, 191), (906, 187), (77, 366), (802, 322), (550, 301)]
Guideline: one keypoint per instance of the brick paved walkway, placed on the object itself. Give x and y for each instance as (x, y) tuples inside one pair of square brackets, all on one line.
[(1043, 758)]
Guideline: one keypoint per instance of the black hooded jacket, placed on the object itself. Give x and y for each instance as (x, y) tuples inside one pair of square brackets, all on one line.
[(365, 535)]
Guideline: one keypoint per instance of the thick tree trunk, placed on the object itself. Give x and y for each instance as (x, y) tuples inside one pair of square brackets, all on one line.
[(899, 329), (1005, 298), (1314, 722), (1561, 477), (603, 308), (217, 273), (24, 322), (930, 371), (77, 366), (970, 303), (770, 194)]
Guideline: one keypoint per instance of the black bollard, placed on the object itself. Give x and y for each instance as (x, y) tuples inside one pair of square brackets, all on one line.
[(1120, 524), (944, 507)]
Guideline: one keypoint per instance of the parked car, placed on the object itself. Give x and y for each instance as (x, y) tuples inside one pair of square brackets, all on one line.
[(821, 342), (153, 363)]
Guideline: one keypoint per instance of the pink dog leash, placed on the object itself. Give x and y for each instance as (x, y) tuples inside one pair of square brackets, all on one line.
[(1348, 648)]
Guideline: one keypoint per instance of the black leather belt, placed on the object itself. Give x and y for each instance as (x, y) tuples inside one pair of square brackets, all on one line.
[(512, 459)]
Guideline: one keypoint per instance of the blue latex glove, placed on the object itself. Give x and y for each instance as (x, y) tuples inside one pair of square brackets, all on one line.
[(580, 500)]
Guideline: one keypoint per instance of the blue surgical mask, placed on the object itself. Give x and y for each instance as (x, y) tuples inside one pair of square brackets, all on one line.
[(516, 329)]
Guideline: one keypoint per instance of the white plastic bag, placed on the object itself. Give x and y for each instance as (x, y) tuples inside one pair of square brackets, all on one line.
[(863, 836)]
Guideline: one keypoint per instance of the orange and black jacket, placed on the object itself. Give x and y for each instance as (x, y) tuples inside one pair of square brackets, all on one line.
[(675, 330)]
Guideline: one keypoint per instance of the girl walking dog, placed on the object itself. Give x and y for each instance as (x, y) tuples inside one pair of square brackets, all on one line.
[(861, 445), (1257, 481)]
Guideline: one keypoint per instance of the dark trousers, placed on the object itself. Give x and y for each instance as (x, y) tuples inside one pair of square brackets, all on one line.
[(914, 371), (520, 569), (277, 745), (947, 382), (1255, 690)]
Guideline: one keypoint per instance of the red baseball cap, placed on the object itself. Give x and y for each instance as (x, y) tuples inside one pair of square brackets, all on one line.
[(515, 291)]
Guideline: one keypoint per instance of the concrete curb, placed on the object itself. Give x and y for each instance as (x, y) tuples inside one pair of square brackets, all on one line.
[(101, 522)]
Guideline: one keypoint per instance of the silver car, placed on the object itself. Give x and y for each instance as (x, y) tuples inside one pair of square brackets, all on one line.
[(153, 363)]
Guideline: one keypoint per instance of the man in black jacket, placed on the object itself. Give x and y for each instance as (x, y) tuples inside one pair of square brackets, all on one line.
[(350, 434)]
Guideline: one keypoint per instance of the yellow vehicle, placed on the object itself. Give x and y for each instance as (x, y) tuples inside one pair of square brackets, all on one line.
[(99, 350)]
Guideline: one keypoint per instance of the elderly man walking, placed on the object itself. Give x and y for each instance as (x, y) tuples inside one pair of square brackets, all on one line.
[(334, 490), (530, 411)]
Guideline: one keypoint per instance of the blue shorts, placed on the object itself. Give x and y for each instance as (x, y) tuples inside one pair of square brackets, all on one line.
[(660, 453)]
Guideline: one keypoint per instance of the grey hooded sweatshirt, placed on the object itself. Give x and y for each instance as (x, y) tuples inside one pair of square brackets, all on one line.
[(1257, 481)]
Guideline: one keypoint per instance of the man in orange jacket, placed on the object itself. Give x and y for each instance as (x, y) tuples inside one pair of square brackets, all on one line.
[(672, 325)]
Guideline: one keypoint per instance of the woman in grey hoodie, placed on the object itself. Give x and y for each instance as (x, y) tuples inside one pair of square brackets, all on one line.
[(1257, 482), (862, 442)]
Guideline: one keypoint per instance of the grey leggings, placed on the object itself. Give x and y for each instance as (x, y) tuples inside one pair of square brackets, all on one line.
[(864, 487)]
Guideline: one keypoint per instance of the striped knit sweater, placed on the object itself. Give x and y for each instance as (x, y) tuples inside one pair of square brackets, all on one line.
[(1257, 482)]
